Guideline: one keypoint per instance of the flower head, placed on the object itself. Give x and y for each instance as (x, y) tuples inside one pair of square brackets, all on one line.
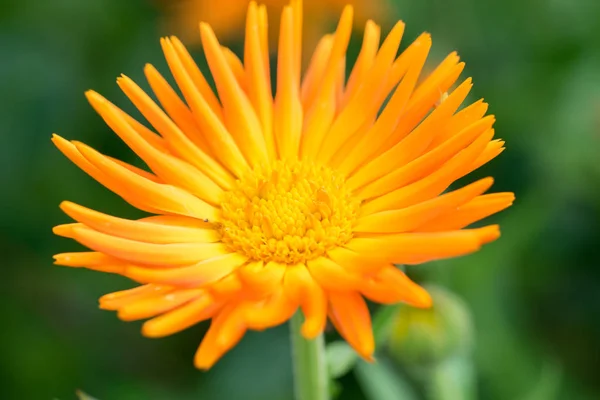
[(262, 206)]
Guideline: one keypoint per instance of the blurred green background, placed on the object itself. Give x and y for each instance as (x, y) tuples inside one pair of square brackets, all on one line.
[(534, 296)]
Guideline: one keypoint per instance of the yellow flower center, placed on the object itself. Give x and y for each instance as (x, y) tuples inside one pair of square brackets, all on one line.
[(288, 212)]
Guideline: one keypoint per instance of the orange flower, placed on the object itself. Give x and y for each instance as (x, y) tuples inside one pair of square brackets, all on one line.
[(263, 206)]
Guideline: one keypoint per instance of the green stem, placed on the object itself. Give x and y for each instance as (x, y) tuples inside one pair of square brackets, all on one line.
[(309, 364)]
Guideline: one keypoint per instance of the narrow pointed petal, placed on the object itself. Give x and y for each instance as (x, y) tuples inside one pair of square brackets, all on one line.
[(414, 144), (428, 162), (241, 120), (171, 169), (350, 315), (84, 258), (72, 153), (320, 115), (175, 108), (332, 276), (164, 197), (316, 71), (288, 109), (142, 230), (356, 112), (215, 266), (225, 331), (116, 300), (405, 248), (302, 288), (357, 263), (365, 60), (197, 79), (433, 184), (386, 124), (409, 218), (262, 279), (189, 314), (271, 312), (459, 121), (236, 66), (147, 253), (259, 86), (217, 136), (392, 286), (473, 211), (153, 306)]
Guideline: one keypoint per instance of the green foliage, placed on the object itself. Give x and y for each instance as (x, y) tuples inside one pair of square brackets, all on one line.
[(380, 381)]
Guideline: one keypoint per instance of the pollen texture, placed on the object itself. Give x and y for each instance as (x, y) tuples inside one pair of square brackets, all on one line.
[(288, 212)]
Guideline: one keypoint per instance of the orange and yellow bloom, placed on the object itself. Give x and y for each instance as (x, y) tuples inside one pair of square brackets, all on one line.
[(264, 205)]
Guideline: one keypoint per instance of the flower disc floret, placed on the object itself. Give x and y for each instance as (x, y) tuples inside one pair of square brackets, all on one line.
[(288, 212)]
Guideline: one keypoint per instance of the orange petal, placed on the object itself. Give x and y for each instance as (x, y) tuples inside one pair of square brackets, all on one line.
[(403, 248), (182, 318), (240, 117), (172, 169), (236, 66), (116, 300), (177, 110), (227, 287), (357, 112), (320, 115), (459, 121), (433, 184), (147, 253), (385, 125), (197, 79), (150, 307), (409, 218), (301, 288), (271, 312), (491, 151), (331, 275), (288, 115), (262, 279), (364, 61), (315, 71), (473, 211), (357, 263), (84, 259), (259, 84), (210, 123), (167, 198), (350, 315), (391, 286), (428, 162), (142, 230), (225, 331), (205, 272), (414, 144)]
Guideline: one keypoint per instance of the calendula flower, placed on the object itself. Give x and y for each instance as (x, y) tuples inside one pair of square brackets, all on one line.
[(262, 206), (226, 17)]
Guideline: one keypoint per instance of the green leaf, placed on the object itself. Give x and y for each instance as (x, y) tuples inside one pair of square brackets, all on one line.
[(341, 358), (452, 378), (383, 322), (83, 396), (379, 381), (549, 384)]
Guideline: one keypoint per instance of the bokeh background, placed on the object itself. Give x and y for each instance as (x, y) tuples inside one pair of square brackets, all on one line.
[(533, 296)]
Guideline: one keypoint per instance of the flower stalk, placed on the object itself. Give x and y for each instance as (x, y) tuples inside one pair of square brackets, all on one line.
[(309, 363)]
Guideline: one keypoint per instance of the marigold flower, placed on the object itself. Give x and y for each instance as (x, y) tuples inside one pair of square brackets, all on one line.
[(262, 206)]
